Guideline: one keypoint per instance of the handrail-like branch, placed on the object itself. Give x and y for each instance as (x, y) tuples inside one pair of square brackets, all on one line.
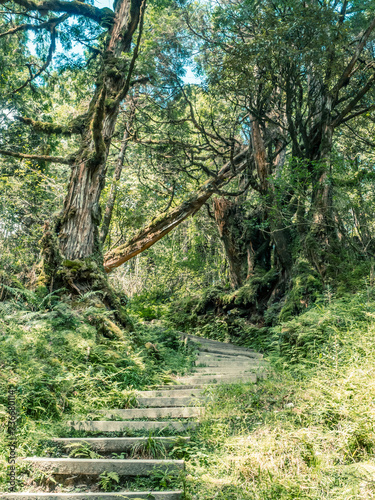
[(53, 159), (76, 8)]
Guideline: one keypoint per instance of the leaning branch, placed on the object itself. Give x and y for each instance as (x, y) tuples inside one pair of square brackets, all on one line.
[(34, 27), (48, 61), (74, 127), (337, 121), (162, 225), (349, 68), (76, 8), (53, 159)]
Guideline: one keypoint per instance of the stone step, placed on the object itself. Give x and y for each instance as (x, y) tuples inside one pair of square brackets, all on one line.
[(228, 361), (156, 402), (171, 391), (116, 445), (123, 495), (208, 343), (229, 366), (230, 352), (220, 379), (227, 358), (219, 370), (130, 425), (96, 466), (137, 413)]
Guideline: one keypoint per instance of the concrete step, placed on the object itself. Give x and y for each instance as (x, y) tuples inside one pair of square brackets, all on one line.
[(130, 425), (230, 352), (226, 358), (95, 467), (171, 391), (219, 370), (228, 361), (156, 402), (116, 445), (220, 379), (215, 344), (137, 413), (123, 495)]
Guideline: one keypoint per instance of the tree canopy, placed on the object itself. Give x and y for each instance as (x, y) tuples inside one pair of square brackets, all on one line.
[(106, 149)]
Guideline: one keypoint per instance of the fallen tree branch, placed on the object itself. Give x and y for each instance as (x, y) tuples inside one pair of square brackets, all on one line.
[(165, 223)]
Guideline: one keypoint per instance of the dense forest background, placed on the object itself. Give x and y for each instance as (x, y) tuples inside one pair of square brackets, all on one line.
[(205, 166), (272, 144)]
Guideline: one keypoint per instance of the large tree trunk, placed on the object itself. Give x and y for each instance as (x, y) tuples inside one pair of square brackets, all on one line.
[(280, 234), (321, 240), (80, 219)]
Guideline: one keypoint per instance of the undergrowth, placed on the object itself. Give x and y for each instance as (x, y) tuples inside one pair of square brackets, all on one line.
[(307, 432), (69, 358)]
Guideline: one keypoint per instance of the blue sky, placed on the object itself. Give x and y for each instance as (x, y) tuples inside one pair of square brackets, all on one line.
[(78, 49)]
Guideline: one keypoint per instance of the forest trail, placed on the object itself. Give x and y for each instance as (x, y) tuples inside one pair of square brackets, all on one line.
[(169, 410)]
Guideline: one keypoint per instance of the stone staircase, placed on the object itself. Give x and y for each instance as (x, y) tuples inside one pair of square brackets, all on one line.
[(169, 409)]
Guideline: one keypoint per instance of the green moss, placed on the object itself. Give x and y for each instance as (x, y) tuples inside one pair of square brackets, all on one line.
[(306, 287)]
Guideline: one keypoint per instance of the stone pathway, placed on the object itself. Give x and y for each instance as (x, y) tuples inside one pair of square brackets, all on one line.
[(216, 363)]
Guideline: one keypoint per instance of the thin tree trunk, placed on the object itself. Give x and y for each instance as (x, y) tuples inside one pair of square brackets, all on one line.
[(117, 174)]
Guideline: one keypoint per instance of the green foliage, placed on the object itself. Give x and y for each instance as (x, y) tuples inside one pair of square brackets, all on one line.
[(165, 479), (149, 448), (108, 481), (307, 431), (305, 289), (82, 450)]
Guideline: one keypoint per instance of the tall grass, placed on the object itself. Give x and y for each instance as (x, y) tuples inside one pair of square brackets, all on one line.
[(309, 430)]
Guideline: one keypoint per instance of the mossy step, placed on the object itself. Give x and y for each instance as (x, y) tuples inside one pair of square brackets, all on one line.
[(117, 445), (220, 379), (130, 425), (123, 495), (137, 413), (157, 402), (96, 466)]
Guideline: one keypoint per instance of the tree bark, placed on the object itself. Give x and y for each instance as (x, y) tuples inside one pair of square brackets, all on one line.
[(78, 225), (246, 247), (279, 233)]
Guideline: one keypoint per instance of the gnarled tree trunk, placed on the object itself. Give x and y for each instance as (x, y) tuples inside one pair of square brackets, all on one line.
[(247, 248), (78, 225)]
